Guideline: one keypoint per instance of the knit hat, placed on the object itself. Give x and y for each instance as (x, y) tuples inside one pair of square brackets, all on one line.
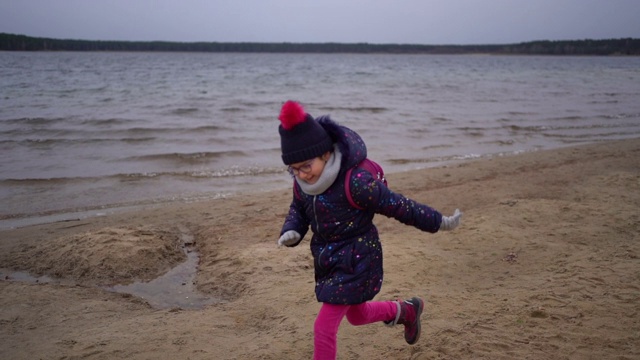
[(301, 136)]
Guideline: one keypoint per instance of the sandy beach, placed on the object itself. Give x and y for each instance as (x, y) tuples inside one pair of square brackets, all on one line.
[(546, 265)]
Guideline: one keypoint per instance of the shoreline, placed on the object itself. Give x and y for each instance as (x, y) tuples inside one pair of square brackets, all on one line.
[(396, 167), (577, 47), (545, 264)]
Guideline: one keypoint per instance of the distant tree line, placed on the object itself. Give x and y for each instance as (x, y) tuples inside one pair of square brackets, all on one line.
[(626, 46)]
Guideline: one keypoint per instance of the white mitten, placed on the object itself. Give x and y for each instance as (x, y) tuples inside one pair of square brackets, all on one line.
[(289, 238), (451, 222)]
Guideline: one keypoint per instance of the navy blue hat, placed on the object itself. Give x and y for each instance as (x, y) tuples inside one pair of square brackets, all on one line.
[(301, 136)]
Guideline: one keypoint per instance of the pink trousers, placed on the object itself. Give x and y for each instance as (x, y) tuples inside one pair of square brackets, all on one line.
[(328, 321)]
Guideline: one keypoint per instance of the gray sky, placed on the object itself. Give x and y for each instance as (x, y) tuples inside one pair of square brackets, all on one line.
[(347, 21)]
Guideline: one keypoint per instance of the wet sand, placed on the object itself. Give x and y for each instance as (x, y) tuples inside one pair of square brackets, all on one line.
[(546, 265)]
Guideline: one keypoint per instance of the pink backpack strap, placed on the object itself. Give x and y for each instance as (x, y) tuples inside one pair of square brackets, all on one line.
[(296, 193), (370, 166), (347, 189)]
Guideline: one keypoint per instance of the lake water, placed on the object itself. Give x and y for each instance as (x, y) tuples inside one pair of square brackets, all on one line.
[(82, 131)]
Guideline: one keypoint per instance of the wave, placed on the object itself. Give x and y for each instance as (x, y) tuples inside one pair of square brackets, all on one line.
[(367, 109), (528, 128), (102, 123), (622, 116), (184, 111), (106, 122), (34, 121), (438, 160), (232, 109), (598, 136), (543, 128), (196, 157), (439, 146), (519, 113), (473, 131), (441, 119), (235, 171), (54, 142), (119, 134), (169, 130), (508, 142)]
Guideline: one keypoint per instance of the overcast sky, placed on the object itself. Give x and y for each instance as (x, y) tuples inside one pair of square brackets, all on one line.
[(346, 21)]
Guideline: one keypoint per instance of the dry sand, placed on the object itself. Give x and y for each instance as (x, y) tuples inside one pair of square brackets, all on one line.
[(546, 265)]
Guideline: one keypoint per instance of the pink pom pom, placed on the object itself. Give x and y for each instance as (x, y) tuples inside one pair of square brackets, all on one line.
[(292, 114)]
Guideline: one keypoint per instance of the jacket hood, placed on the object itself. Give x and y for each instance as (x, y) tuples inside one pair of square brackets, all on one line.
[(351, 145)]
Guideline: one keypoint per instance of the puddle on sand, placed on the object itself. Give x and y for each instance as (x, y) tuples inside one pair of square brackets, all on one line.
[(175, 289), (8, 275)]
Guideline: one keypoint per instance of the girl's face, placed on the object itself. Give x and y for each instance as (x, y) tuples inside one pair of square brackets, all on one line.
[(309, 171)]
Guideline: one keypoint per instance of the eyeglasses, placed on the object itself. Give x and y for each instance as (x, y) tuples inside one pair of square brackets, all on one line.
[(305, 168)]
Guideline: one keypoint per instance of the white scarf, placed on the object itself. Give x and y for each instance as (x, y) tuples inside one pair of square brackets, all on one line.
[(328, 176)]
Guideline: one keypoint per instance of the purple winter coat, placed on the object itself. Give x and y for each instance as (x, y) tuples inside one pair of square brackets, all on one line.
[(345, 245)]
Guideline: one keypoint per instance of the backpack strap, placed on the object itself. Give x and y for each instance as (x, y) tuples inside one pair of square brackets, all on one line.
[(370, 166), (347, 188), (296, 192)]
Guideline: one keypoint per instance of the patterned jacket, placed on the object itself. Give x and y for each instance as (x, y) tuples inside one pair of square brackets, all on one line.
[(345, 245)]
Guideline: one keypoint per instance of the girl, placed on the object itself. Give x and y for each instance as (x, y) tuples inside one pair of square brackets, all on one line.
[(345, 245)]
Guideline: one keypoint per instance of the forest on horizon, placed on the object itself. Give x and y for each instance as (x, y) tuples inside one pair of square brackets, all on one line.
[(623, 46)]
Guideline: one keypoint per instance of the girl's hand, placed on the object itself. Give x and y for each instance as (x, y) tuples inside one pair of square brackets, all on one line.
[(289, 238), (451, 222)]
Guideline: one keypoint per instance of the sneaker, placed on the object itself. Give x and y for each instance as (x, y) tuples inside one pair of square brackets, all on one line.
[(410, 311)]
